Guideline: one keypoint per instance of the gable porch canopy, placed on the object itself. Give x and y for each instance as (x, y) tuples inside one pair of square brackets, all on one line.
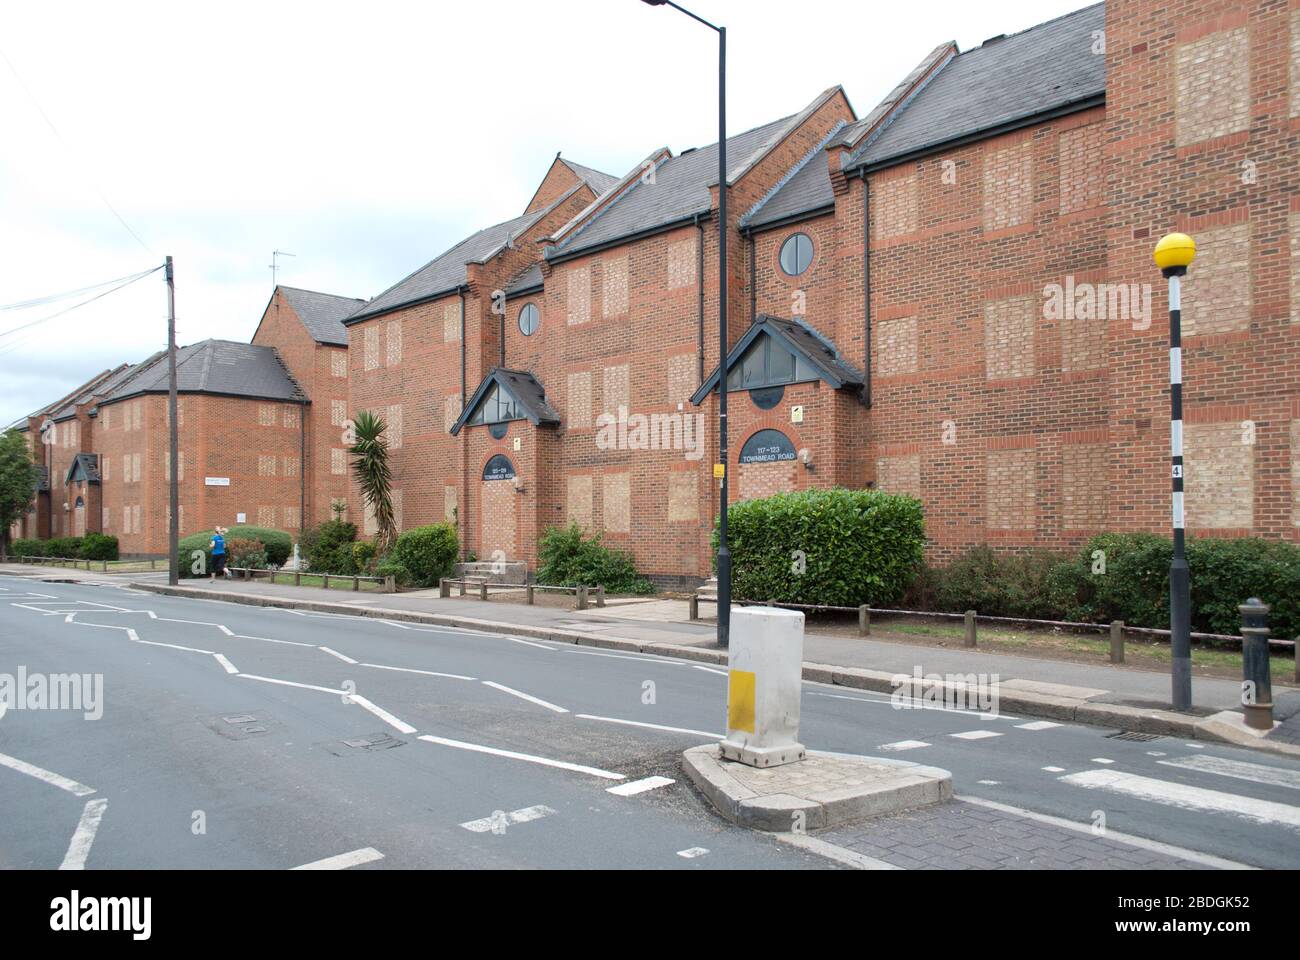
[(774, 352), (512, 395)]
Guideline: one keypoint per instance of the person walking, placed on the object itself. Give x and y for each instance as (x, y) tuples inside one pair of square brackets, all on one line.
[(218, 547)]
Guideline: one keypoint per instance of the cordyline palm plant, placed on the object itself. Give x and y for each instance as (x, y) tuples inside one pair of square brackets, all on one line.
[(373, 475)]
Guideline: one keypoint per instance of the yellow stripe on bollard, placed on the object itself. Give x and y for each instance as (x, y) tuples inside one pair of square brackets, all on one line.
[(740, 700)]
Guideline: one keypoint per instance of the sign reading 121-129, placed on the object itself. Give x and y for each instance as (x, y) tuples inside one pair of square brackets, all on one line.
[(499, 468), (767, 446)]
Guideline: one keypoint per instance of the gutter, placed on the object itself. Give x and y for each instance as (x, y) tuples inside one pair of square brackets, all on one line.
[(690, 220)]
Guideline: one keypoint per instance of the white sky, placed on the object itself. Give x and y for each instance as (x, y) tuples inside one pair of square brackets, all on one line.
[(363, 138)]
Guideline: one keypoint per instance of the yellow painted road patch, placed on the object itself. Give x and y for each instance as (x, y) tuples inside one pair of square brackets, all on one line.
[(740, 700)]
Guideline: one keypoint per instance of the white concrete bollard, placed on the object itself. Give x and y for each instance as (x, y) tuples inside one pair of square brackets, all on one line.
[(764, 684)]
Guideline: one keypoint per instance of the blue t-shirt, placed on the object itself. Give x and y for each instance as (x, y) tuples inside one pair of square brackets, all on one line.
[(218, 545)]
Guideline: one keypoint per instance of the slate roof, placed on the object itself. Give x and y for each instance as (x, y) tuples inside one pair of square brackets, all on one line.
[(681, 189), (807, 342), (322, 313), (527, 280), (1044, 68), (86, 465), (220, 367), (521, 385), (806, 187), (42, 478), (447, 271)]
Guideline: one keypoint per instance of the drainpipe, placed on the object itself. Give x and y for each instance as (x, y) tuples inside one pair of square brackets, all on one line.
[(699, 283), (753, 278), (462, 501), (302, 469), (866, 288)]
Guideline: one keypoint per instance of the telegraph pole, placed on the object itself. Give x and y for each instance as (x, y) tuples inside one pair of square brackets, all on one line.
[(1172, 255), (173, 474)]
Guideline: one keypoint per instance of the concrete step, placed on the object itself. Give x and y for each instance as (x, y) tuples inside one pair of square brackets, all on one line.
[(506, 571)]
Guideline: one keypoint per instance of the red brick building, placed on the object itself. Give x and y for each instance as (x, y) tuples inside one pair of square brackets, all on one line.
[(950, 296)]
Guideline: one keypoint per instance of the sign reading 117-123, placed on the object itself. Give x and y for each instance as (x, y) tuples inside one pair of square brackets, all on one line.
[(767, 446)]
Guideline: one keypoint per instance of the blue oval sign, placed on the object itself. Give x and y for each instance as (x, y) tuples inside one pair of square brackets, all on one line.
[(499, 468), (767, 446)]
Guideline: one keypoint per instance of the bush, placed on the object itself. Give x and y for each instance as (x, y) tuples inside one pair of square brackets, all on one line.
[(246, 553), (567, 558), (363, 556), (97, 546), (426, 553), (278, 544), (387, 567), (1224, 573), (835, 547), (328, 548), (27, 547), (64, 547), (997, 584)]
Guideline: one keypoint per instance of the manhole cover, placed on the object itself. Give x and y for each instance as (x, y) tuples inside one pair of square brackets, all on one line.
[(240, 718), (1132, 735), (375, 741)]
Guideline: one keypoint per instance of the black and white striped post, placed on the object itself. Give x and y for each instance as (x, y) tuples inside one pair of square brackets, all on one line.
[(1172, 255)]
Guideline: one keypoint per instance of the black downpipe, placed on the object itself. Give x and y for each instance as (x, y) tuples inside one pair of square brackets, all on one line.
[(866, 290), (753, 279), (699, 284), (462, 500)]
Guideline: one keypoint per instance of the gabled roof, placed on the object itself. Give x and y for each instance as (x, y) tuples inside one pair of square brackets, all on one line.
[(218, 367), (61, 406), (680, 191), (521, 385), (599, 182), (804, 341), (1045, 69), (805, 187), (322, 313), (530, 278), (84, 466)]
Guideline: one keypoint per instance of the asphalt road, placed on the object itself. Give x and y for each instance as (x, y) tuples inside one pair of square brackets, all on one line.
[(235, 736)]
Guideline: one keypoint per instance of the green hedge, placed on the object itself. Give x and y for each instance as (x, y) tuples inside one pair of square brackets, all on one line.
[(27, 547), (426, 554), (329, 548), (568, 558), (278, 543), (994, 584), (835, 547), (98, 546), (1134, 586), (66, 547)]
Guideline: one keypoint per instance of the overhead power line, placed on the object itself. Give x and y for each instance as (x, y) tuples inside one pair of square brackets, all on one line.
[(67, 146), (33, 323), (53, 297)]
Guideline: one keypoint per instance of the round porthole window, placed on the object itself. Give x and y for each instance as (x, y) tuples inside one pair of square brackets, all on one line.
[(529, 318), (796, 254)]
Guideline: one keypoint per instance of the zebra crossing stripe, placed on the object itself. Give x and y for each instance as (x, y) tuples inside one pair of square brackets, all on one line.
[(1186, 797)]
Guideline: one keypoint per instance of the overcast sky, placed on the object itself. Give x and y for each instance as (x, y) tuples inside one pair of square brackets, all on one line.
[(364, 139)]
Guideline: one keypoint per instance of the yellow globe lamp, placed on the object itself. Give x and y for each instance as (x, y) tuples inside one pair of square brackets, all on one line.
[(1174, 253)]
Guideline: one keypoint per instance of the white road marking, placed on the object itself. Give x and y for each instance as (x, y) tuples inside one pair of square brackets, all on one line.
[(1054, 769), (287, 643), (1169, 850), (622, 656), (690, 853), (1037, 725), (427, 673), (1156, 753), (174, 646), (526, 757), (639, 786), (401, 726), (989, 783), (526, 815), (79, 846), (975, 735), (651, 726), (721, 673), (335, 653), (291, 683), (526, 643), (899, 745), (344, 860), (1186, 797), (832, 851), (524, 696), (1101, 760), (1238, 769), (63, 783), (1195, 746), (230, 667)]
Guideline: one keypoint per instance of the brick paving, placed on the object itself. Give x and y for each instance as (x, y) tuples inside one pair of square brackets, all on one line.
[(964, 836)]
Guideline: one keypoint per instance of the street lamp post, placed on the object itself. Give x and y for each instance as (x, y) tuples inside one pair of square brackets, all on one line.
[(724, 550), (1172, 255)]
